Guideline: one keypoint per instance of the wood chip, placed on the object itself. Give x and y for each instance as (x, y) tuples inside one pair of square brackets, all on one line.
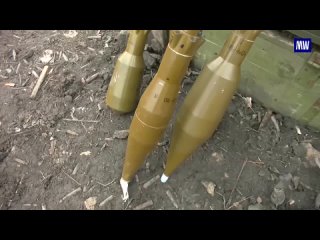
[(70, 194), (34, 73), (144, 205), (72, 133), (17, 69), (91, 78), (74, 172), (108, 199), (275, 122), (20, 161), (170, 196), (85, 65), (52, 146), (265, 119), (65, 57), (10, 84), (151, 181), (39, 82), (78, 120), (14, 54), (94, 37), (86, 153)]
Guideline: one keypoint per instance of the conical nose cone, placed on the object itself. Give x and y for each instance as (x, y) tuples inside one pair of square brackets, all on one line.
[(141, 141), (182, 146)]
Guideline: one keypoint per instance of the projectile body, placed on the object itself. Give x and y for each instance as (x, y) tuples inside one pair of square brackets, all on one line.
[(208, 99), (158, 102), (124, 87)]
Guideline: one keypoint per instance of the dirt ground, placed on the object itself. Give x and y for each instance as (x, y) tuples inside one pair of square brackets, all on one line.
[(44, 156)]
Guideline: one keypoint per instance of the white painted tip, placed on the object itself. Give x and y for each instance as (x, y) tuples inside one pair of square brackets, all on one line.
[(124, 185), (164, 178)]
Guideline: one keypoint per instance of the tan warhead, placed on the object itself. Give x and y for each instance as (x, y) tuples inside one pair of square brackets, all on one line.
[(158, 101), (208, 99), (124, 87)]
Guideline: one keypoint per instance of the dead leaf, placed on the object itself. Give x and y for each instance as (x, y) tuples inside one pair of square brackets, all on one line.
[(248, 101), (71, 34), (313, 155), (210, 186), (90, 203)]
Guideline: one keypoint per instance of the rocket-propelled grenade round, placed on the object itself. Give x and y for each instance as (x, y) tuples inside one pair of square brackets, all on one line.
[(208, 99), (124, 87), (157, 103)]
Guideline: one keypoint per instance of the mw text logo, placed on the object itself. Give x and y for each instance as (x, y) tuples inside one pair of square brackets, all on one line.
[(302, 45)]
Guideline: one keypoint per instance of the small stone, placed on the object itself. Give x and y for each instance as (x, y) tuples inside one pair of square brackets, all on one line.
[(273, 170), (29, 54), (285, 179), (146, 79), (278, 196), (156, 46), (121, 134), (188, 81), (259, 200), (299, 150), (68, 99), (262, 173), (156, 56), (252, 200), (150, 62)]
